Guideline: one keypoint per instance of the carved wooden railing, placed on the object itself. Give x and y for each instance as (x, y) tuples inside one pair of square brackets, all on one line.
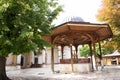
[(76, 61)]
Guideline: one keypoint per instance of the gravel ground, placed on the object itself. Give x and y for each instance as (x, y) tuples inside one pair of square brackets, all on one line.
[(109, 73)]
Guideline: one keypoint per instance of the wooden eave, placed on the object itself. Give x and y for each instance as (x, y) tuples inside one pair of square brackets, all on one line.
[(118, 56), (75, 33)]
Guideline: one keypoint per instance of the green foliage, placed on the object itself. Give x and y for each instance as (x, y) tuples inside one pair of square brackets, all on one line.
[(106, 48), (24, 23), (84, 51), (110, 13)]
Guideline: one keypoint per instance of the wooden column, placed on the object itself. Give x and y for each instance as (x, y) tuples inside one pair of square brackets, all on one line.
[(76, 54), (100, 50), (94, 49), (62, 48), (91, 53), (76, 49), (52, 55), (52, 59), (101, 59), (71, 57)]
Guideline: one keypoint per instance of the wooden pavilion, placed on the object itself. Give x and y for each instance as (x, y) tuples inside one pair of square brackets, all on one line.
[(75, 33)]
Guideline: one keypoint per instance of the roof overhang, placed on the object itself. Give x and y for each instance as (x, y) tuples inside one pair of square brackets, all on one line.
[(79, 33)]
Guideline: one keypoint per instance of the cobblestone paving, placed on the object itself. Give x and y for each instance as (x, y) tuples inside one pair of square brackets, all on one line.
[(109, 73)]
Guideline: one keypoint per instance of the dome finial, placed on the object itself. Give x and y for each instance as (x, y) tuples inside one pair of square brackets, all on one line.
[(72, 19)]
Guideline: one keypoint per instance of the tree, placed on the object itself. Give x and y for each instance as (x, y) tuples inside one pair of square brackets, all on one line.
[(105, 48), (85, 51), (110, 13), (108, 47), (23, 25)]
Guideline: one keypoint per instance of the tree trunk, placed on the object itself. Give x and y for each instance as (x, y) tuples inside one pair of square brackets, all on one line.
[(3, 75)]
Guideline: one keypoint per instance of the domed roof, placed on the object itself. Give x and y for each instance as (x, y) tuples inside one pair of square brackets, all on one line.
[(72, 19)]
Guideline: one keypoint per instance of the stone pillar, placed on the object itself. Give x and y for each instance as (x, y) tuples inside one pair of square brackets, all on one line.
[(48, 51), (95, 57), (27, 60), (45, 57), (52, 59), (14, 60), (117, 61)]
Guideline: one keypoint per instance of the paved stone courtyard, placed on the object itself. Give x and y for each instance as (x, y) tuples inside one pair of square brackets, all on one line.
[(109, 73)]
